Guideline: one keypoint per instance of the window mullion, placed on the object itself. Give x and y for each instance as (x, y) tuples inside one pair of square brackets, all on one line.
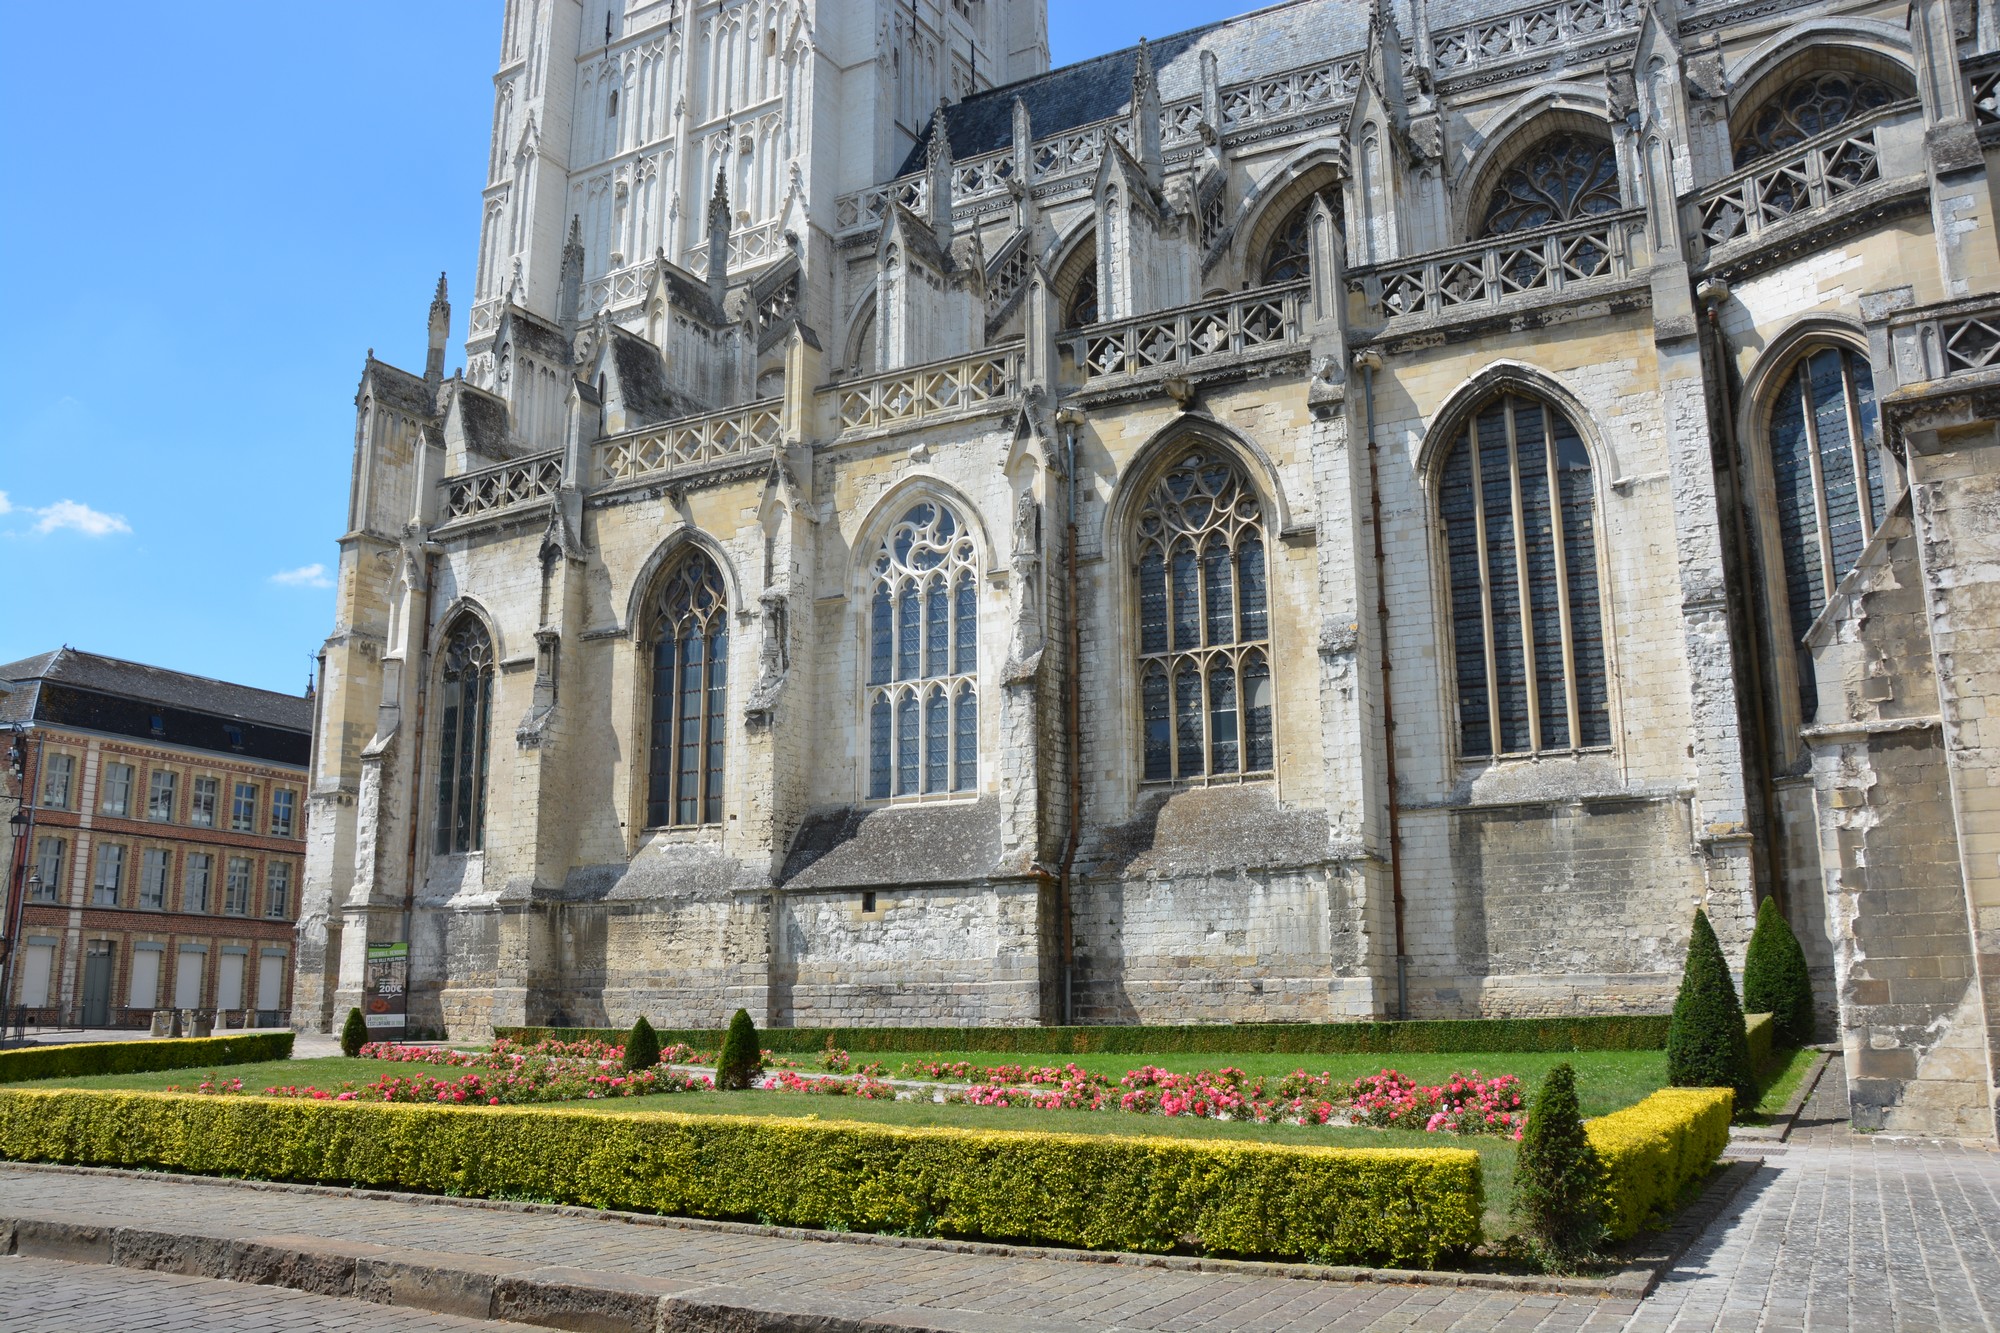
[(1495, 744), (1556, 515), (1524, 597), (1857, 449), (1825, 534)]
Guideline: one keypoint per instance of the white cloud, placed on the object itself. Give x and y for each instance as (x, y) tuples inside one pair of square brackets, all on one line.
[(80, 518), (5, 507), (305, 576)]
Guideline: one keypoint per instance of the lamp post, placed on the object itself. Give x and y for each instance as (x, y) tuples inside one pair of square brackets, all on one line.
[(22, 825)]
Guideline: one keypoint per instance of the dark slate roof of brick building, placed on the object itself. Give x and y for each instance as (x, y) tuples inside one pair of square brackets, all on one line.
[(156, 685), (1249, 46)]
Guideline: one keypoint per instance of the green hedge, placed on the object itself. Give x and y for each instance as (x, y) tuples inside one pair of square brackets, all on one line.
[(1761, 1031), (1654, 1149), (139, 1057), (1332, 1205), (1638, 1033)]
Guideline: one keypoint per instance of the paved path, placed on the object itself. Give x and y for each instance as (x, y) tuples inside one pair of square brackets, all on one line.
[(1837, 1232), (50, 1296)]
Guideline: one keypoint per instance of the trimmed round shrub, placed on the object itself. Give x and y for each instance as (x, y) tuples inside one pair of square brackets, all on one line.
[(642, 1046), (1706, 1047), (1558, 1178), (741, 1059), (353, 1033), (1775, 980)]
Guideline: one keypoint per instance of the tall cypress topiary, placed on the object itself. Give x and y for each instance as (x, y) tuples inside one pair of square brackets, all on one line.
[(741, 1059), (353, 1033), (1775, 980), (642, 1046), (1558, 1179), (1706, 1047)]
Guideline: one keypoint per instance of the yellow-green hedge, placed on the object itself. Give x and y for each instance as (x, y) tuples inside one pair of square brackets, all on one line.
[(139, 1057), (1331, 1205), (1652, 1149), (1760, 1030)]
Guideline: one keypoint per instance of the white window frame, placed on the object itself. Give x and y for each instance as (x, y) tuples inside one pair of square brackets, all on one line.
[(283, 799), (58, 781), (243, 807), (162, 782), (277, 889), (198, 872), (114, 790), (156, 875), (50, 869), (203, 801), (238, 886), (109, 876)]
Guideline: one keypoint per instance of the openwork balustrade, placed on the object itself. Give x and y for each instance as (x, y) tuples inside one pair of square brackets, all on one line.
[(616, 288), (495, 488), (1982, 80), (485, 317), (1265, 320), (866, 207), (747, 248), (1494, 271), (1811, 175), (690, 442), (1959, 338), (1009, 272), (1529, 30), (945, 388)]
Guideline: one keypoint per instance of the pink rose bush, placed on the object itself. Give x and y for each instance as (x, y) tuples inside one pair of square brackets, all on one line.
[(1462, 1104), (868, 1089)]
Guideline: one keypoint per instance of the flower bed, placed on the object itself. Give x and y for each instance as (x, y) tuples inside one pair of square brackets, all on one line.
[(1331, 1205), (1462, 1104)]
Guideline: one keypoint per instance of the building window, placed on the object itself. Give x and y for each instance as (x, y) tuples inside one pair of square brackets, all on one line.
[(49, 868), (1565, 177), (1520, 535), (117, 790), (160, 795), (195, 880), (154, 871), (922, 697), (243, 808), (202, 802), (110, 879), (1204, 624), (58, 778), (463, 723), (1288, 258), (1807, 107), (277, 889), (283, 802), (236, 887), (1828, 475), (690, 637)]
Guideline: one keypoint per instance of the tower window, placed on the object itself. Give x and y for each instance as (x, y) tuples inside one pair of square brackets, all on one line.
[(922, 695), (463, 725)]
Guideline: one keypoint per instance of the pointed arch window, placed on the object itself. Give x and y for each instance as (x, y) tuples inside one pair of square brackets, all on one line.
[(1082, 307), (690, 693), (1520, 522), (1565, 177), (922, 695), (1204, 624), (1809, 106), (1288, 256), (1827, 474), (465, 725)]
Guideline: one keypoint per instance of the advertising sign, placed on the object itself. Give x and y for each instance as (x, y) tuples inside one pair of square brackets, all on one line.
[(385, 992)]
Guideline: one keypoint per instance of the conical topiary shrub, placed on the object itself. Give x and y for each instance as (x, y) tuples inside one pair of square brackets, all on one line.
[(1706, 1047), (1775, 980), (642, 1046), (742, 1059), (353, 1033), (1558, 1179)]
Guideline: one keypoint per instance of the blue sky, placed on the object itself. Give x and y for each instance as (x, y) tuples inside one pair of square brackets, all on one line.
[(214, 210)]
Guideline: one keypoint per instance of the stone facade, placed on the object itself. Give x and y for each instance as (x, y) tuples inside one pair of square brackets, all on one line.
[(1333, 514)]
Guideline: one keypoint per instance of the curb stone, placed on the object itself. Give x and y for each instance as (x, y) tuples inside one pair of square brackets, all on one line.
[(478, 1286)]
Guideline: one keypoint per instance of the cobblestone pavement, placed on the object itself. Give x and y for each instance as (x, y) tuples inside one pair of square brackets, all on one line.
[(50, 1296), (1837, 1232)]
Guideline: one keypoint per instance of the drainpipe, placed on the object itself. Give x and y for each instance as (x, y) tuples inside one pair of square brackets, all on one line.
[(17, 879), (1369, 361), (1070, 419)]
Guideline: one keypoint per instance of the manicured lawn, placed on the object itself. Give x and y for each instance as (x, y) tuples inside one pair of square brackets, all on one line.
[(1788, 1070), (325, 1072)]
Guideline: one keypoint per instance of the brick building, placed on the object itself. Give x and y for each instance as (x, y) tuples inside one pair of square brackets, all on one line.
[(168, 841), (1371, 507)]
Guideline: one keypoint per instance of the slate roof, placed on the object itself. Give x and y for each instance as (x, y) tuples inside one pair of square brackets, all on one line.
[(156, 685), (1247, 47)]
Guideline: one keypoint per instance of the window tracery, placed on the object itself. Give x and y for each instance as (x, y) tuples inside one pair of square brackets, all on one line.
[(1204, 624), (1519, 514), (1808, 106), (1827, 474), (1288, 257), (1565, 177), (464, 726), (690, 688), (922, 695)]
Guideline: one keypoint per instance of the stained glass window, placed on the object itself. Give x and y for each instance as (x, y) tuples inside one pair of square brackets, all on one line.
[(1565, 177), (1288, 258), (464, 721), (1828, 475), (690, 695), (1520, 545), (922, 693), (1808, 106), (1204, 654)]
